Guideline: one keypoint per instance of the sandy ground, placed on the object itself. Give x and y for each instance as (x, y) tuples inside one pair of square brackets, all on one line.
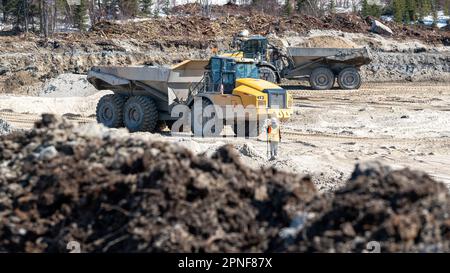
[(401, 124)]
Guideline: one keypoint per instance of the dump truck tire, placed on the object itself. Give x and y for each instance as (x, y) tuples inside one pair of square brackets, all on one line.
[(249, 132), (140, 114), (267, 74), (198, 121), (349, 78), (321, 78), (109, 111)]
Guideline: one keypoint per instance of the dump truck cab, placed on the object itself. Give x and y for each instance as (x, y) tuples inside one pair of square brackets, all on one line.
[(234, 79), (222, 73), (255, 47), (235, 84), (252, 47)]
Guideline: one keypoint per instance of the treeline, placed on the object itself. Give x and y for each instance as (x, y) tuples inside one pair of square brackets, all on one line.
[(45, 16), (407, 11), (48, 16)]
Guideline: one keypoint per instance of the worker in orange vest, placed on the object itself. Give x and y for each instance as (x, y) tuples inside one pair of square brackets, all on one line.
[(273, 137), (215, 50)]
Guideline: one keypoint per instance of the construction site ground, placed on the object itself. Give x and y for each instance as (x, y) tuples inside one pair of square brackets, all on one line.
[(145, 194), (400, 124)]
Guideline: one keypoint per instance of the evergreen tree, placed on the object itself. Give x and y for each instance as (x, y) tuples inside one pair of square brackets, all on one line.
[(287, 8), (365, 8), (375, 10), (426, 6), (447, 7), (370, 9), (399, 10), (146, 6), (410, 10)]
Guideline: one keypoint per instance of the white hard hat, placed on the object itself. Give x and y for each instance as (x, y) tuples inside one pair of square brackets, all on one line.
[(244, 33), (274, 120)]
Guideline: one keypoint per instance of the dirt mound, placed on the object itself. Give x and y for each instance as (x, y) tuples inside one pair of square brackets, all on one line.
[(114, 194), (193, 29), (117, 193), (402, 210), (327, 42), (20, 79), (68, 85)]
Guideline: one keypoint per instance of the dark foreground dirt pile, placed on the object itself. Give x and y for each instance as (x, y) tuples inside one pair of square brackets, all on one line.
[(115, 193), (402, 210), (128, 195)]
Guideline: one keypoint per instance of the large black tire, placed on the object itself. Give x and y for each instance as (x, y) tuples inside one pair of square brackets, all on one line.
[(321, 78), (249, 132), (140, 114), (109, 110), (349, 78), (266, 73), (198, 122)]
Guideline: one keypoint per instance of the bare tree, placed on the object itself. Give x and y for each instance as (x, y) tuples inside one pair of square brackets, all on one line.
[(43, 6)]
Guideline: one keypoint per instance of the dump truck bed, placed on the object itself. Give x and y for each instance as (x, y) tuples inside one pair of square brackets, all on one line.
[(354, 56), (165, 84)]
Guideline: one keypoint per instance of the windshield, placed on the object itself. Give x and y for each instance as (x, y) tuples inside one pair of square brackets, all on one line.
[(252, 48), (247, 70)]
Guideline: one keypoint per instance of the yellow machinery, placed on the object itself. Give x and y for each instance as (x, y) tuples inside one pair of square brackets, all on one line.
[(234, 88), (147, 96), (322, 66)]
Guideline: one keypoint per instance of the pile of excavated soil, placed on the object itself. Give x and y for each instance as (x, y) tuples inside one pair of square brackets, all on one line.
[(327, 42), (403, 211), (20, 79), (112, 192), (68, 85), (196, 29), (60, 184)]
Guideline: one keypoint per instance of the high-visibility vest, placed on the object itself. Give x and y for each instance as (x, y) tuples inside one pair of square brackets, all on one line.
[(273, 133)]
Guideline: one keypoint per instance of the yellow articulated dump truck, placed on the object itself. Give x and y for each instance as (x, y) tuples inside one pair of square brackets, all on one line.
[(321, 66), (196, 95)]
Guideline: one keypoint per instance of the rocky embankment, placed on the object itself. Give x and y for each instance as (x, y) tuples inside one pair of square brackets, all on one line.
[(28, 62)]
